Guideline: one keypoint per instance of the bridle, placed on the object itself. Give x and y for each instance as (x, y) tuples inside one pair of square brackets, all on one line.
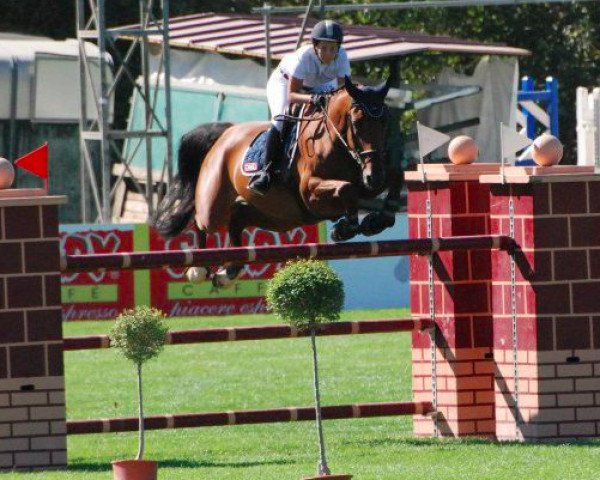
[(372, 111)]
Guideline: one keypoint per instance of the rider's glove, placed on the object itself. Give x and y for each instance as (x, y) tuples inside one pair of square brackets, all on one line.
[(319, 100)]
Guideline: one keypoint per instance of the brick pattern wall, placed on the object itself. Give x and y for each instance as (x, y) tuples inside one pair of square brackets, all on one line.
[(32, 398), (462, 289), (558, 310)]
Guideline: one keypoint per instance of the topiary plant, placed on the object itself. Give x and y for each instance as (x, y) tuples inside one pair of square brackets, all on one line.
[(140, 335), (306, 294)]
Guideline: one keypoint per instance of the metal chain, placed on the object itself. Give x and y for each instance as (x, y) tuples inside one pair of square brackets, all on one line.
[(432, 331), (513, 306)]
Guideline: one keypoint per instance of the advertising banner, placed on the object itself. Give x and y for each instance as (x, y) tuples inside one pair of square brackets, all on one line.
[(103, 295)]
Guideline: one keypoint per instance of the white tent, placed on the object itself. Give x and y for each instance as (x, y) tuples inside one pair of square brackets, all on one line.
[(39, 79)]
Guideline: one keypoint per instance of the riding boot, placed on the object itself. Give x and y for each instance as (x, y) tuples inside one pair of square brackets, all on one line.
[(261, 182)]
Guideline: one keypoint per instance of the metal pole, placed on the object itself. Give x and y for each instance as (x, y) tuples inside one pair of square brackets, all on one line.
[(552, 87), (304, 21), (528, 85), (413, 5), (14, 90), (103, 124), (322, 8), (145, 57), (83, 111), (267, 18), (167, 87)]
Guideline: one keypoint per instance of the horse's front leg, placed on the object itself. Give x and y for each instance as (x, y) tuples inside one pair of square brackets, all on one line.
[(334, 199), (376, 222)]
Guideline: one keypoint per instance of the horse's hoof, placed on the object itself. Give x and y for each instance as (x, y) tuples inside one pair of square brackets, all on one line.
[(338, 237), (221, 279), (375, 223), (196, 274), (343, 231)]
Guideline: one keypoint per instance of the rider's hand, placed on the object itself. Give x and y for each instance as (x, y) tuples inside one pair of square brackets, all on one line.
[(319, 100)]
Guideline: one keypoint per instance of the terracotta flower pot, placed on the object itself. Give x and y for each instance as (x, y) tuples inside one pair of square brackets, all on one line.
[(329, 477), (135, 470)]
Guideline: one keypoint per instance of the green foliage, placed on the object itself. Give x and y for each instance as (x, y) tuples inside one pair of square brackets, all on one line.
[(139, 333), (306, 293)]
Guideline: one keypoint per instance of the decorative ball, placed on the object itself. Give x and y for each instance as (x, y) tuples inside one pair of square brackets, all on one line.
[(7, 173), (547, 150), (463, 150)]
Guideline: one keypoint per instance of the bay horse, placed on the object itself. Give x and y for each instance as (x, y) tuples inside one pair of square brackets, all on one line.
[(340, 161)]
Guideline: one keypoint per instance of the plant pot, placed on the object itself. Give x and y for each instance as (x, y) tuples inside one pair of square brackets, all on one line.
[(135, 470), (329, 477)]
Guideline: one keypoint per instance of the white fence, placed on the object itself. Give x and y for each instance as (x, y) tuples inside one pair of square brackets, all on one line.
[(588, 126)]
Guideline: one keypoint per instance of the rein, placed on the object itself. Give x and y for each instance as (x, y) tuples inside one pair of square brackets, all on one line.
[(372, 112)]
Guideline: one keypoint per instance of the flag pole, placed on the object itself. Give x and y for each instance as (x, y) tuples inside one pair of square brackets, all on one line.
[(421, 158), (502, 152)]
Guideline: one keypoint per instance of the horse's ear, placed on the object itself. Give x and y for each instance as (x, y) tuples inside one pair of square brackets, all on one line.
[(351, 88), (384, 88)]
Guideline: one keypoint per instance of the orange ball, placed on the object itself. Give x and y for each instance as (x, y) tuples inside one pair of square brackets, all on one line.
[(463, 150), (7, 173), (547, 150)]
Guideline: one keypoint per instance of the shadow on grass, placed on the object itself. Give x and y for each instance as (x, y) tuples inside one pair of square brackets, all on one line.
[(465, 442), (173, 463)]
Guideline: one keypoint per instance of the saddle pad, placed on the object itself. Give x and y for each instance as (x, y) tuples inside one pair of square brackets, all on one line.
[(254, 159)]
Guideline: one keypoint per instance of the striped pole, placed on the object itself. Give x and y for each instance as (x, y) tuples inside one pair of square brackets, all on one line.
[(269, 254), (274, 415), (261, 332)]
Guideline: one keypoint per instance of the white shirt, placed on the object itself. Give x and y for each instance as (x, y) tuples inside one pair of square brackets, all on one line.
[(305, 65)]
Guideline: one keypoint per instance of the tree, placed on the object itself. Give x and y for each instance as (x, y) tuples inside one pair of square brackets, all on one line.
[(140, 335), (308, 293)]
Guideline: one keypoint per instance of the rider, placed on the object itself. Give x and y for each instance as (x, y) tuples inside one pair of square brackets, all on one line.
[(319, 68)]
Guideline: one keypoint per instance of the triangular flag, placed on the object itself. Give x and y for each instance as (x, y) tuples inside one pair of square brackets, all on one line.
[(35, 162), (512, 142), (429, 139)]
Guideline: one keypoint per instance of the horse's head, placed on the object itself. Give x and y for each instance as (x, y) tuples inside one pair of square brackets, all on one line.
[(366, 135)]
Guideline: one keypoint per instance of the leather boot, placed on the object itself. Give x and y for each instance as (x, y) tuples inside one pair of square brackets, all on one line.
[(261, 182)]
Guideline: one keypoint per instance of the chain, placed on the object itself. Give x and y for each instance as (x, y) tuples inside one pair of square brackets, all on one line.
[(513, 307), (432, 331)]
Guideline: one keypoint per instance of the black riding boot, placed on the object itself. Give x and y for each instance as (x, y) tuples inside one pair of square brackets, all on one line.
[(261, 182)]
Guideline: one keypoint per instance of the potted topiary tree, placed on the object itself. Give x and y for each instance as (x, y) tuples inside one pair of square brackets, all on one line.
[(308, 293), (140, 335)]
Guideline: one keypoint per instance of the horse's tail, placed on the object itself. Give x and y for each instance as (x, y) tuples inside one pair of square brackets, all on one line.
[(175, 210)]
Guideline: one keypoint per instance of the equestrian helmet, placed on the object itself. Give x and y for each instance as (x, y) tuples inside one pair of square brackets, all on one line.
[(327, 30)]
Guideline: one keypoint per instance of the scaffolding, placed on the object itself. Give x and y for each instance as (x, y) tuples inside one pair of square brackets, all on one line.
[(98, 135)]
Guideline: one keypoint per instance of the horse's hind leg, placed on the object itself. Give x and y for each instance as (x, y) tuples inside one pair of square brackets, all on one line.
[(240, 219), (198, 274)]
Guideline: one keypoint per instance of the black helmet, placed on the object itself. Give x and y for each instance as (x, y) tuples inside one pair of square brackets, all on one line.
[(327, 30)]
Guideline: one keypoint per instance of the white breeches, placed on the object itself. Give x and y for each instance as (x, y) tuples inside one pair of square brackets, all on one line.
[(277, 96)]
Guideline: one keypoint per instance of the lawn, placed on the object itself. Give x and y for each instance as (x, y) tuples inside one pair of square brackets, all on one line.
[(276, 373)]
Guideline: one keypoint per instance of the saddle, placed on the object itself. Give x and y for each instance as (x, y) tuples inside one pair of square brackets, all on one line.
[(254, 158)]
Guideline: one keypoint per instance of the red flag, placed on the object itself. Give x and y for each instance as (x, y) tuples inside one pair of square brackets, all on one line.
[(35, 162)]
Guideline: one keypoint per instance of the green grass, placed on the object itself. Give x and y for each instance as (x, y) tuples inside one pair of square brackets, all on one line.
[(274, 373)]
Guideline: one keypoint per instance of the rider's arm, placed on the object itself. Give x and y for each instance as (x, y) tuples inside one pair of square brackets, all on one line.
[(294, 95), (341, 81)]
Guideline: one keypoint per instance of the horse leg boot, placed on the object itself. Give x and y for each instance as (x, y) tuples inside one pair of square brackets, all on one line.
[(346, 227), (261, 182)]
